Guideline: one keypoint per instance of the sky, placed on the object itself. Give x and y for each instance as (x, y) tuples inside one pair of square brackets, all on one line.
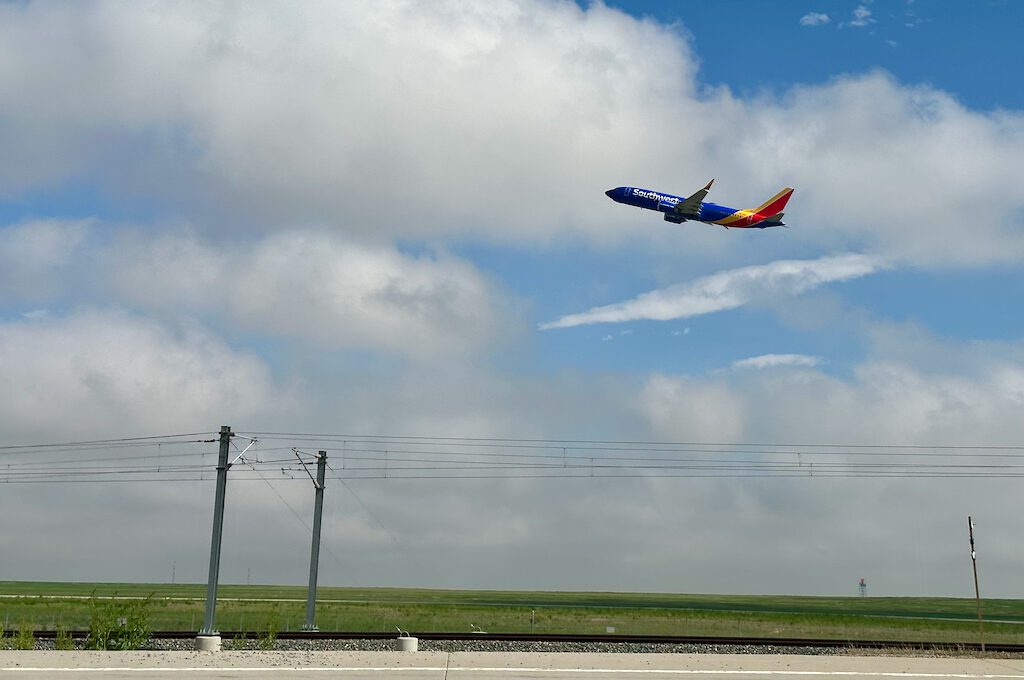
[(380, 220)]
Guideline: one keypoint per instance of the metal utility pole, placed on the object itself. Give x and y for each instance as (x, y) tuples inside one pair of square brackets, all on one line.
[(977, 592), (209, 638), (314, 553)]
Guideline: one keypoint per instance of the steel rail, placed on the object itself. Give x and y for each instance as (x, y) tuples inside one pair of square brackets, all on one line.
[(816, 643)]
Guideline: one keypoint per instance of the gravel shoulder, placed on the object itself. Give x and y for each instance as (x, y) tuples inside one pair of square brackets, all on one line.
[(458, 646)]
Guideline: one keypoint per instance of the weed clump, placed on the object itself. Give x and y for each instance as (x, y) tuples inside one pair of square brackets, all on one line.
[(119, 625), (240, 641), (26, 638), (268, 638), (63, 641)]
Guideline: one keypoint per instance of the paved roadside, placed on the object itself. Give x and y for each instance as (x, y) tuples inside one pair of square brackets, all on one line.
[(494, 666)]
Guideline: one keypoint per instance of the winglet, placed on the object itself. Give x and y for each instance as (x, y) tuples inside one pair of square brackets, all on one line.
[(708, 187)]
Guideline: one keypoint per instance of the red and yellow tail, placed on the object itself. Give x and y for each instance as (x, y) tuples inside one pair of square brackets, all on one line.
[(751, 217), (774, 205)]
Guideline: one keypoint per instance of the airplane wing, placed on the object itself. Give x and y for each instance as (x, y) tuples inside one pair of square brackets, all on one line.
[(691, 206)]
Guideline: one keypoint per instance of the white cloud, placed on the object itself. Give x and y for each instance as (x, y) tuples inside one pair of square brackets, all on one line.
[(35, 254), (384, 116), (973, 398), (727, 290), (912, 389), (812, 535), (342, 295), (100, 372), (814, 19), (504, 122), (378, 121), (688, 409), (831, 132), (861, 17), (776, 360), (308, 285)]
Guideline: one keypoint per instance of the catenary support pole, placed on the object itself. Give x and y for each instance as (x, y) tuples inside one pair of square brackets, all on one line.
[(977, 592), (314, 553), (209, 638)]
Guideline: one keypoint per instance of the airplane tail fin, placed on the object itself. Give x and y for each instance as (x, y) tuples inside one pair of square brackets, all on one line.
[(774, 205)]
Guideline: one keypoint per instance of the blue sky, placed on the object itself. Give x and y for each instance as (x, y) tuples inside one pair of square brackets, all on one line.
[(955, 46), (387, 219), (763, 49)]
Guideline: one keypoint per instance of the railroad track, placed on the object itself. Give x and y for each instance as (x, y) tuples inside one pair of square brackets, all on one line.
[(594, 639)]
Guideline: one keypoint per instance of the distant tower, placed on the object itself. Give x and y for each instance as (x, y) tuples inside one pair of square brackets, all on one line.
[(862, 588)]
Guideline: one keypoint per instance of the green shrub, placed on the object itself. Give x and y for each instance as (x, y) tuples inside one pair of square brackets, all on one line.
[(268, 638), (26, 638), (119, 624), (63, 641)]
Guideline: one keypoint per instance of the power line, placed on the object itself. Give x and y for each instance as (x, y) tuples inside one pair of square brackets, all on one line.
[(632, 444), (564, 449), (109, 441), (14, 450), (403, 457), (74, 461)]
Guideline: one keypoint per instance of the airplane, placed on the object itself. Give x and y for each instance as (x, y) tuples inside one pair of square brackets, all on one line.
[(678, 209)]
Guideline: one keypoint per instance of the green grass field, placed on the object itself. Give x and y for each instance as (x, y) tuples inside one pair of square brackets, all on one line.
[(252, 608)]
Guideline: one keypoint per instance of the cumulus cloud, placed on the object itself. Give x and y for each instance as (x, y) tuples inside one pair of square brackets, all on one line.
[(830, 138), (775, 360), (687, 409), (390, 122), (809, 535), (345, 295), (34, 254), (727, 290), (504, 122), (972, 399), (312, 286), (861, 17), (899, 396), (325, 289), (97, 372), (814, 19), (411, 118)]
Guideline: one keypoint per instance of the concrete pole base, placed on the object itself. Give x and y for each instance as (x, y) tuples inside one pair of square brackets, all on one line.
[(208, 643), (407, 644)]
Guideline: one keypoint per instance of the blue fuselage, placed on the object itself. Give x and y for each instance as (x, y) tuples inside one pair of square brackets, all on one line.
[(666, 203)]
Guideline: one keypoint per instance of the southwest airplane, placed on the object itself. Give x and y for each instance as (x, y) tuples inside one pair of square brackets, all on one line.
[(678, 209)]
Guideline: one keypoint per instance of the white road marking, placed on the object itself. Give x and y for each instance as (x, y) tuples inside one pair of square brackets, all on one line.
[(687, 671), (227, 669), (488, 669)]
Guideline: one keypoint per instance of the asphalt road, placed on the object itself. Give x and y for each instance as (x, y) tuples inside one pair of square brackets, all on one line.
[(493, 666)]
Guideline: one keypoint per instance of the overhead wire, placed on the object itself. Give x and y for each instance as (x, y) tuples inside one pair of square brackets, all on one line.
[(130, 441), (405, 457), (289, 506), (631, 443)]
